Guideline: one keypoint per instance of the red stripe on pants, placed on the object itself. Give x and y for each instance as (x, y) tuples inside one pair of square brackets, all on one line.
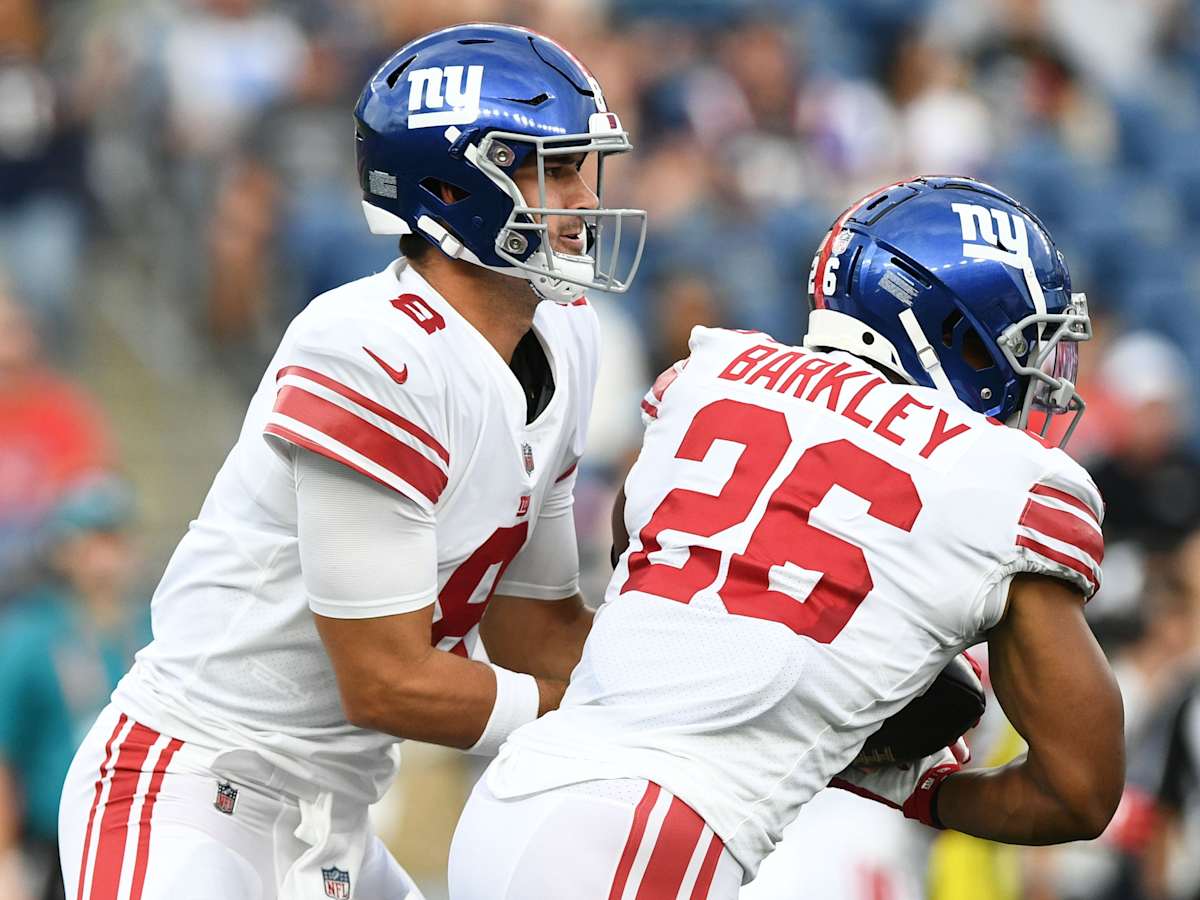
[(640, 816), (708, 869), (87, 836), (143, 848), (114, 824), (672, 852)]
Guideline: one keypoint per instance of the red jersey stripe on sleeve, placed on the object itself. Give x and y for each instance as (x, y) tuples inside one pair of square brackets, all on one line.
[(367, 403), (1062, 559), (359, 435), (1070, 499), (664, 381), (567, 474), (300, 440), (1064, 527), (654, 396)]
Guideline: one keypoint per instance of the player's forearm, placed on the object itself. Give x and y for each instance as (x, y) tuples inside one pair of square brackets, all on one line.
[(440, 699), (542, 638), (1013, 805), (555, 653)]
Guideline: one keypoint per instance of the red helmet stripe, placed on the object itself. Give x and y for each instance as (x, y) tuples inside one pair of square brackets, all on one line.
[(827, 246)]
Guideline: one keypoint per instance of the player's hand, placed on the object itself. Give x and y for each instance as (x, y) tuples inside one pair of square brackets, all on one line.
[(910, 788)]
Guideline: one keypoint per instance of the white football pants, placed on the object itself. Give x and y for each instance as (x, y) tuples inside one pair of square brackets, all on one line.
[(622, 839), (146, 817)]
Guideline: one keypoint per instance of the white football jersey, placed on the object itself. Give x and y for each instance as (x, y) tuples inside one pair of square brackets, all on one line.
[(386, 377), (810, 544)]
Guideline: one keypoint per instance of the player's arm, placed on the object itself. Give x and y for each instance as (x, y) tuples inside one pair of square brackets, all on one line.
[(1056, 688), (369, 560), (542, 637), (390, 679), (537, 621)]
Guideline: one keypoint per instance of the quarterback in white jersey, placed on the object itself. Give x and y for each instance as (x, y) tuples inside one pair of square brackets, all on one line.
[(813, 535), (389, 550)]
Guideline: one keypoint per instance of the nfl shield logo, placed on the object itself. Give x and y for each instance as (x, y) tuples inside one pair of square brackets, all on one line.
[(226, 797), (527, 455), (337, 883)]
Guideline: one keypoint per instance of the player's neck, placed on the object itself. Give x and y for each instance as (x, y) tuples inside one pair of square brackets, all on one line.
[(500, 307)]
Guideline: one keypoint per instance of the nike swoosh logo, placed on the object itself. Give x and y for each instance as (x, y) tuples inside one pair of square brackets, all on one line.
[(399, 376)]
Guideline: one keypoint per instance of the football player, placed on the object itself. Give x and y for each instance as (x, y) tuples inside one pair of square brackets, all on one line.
[(410, 452), (813, 534)]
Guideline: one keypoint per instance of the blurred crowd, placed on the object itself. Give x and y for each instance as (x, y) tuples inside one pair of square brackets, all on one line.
[(177, 181)]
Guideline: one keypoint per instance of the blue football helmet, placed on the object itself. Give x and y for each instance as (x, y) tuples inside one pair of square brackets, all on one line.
[(466, 106), (949, 283)]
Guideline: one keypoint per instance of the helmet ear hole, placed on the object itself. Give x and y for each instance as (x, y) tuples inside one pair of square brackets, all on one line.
[(948, 326), (974, 352), (956, 330), (444, 191)]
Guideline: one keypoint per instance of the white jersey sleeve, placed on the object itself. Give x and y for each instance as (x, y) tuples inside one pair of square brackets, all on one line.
[(365, 551), (1059, 529), (547, 568), (384, 418)]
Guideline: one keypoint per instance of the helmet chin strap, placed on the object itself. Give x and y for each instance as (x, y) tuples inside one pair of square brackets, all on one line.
[(544, 286), (828, 328), (925, 352)]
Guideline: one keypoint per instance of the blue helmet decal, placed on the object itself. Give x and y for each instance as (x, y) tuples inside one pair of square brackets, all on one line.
[(950, 283), (465, 107)]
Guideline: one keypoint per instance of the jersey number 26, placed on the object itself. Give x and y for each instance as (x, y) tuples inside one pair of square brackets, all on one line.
[(784, 535)]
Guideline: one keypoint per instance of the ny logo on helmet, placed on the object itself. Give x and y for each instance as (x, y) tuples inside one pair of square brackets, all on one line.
[(452, 91), (1004, 235)]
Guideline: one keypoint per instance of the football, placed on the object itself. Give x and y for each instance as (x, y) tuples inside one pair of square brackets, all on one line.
[(948, 708)]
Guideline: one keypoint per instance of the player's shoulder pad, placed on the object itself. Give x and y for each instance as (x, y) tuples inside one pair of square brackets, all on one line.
[(703, 337), (370, 310), (356, 388), (1059, 529), (706, 345)]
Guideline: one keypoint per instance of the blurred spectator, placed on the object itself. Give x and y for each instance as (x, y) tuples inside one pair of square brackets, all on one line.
[(52, 435), (1151, 477), (944, 126), (1119, 55), (685, 300), (62, 651), (224, 61), (302, 141), (43, 134)]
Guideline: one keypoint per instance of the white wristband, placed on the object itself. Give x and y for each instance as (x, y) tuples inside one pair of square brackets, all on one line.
[(517, 700)]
